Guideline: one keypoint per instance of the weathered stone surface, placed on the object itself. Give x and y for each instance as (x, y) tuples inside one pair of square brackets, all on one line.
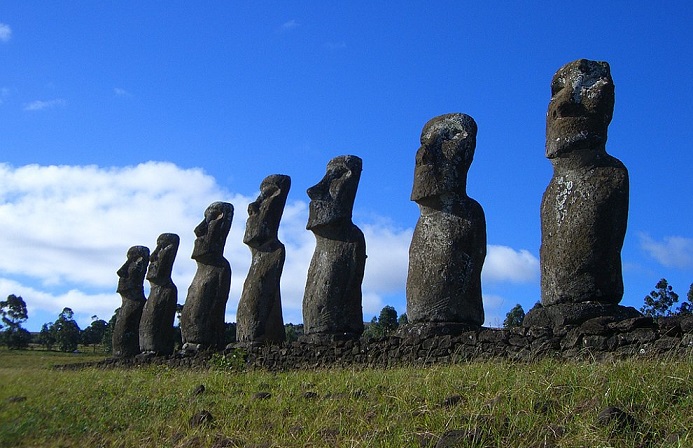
[(202, 319), (561, 315), (259, 317), (332, 298), (585, 206), (448, 247), (157, 334), (126, 332)]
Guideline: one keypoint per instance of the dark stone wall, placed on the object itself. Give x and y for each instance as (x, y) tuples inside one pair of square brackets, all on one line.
[(600, 339)]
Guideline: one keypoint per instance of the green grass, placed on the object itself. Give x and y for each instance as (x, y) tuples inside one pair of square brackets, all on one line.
[(548, 403)]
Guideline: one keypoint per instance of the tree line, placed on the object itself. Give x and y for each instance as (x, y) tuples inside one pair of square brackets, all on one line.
[(63, 334)]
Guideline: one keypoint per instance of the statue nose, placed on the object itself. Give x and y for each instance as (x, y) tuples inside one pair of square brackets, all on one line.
[(201, 229), (317, 191)]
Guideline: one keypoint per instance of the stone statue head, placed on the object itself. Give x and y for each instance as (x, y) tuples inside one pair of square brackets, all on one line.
[(266, 212), (581, 107), (161, 260), (131, 274), (446, 153), (211, 233), (332, 199)]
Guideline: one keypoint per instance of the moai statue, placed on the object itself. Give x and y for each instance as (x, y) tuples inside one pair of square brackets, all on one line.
[(156, 327), (332, 298), (585, 207), (259, 317), (448, 247), (126, 331), (202, 318)]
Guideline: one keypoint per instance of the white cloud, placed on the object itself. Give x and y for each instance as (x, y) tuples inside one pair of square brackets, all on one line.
[(43, 105), (388, 258), (505, 264), (672, 251), (288, 26), (121, 92), (5, 32), (69, 227)]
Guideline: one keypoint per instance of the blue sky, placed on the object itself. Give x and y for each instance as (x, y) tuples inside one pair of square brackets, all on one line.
[(123, 120)]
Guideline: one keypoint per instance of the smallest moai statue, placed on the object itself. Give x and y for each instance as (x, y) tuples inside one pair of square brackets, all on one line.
[(448, 247), (126, 342), (157, 335), (259, 317)]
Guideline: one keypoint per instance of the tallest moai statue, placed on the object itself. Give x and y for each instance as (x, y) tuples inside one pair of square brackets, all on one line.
[(584, 209)]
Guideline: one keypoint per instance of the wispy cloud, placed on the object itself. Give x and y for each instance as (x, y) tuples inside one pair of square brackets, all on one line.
[(672, 251), (4, 93), (288, 26), (335, 45), (5, 32), (43, 105), (121, 92)]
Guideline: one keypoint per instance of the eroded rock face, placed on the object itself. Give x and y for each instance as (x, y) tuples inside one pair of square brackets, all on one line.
[(202, 319), (156, 326), (584, 209), (448, 247), (332, 298), (131, 289), (259, 317)]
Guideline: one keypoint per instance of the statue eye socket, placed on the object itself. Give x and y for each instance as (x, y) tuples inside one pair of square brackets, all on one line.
[(214, 215), (556, 87), (270, 191)]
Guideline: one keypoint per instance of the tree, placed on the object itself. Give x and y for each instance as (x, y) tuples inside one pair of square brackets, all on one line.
[(293, 332), (13, 312), (372, 329), (107, 338), (67, 332), (93, 334), (686, 308), (403, 319), (384, 325), (47, 336), (659, 303), (388, 320), (514, 317)]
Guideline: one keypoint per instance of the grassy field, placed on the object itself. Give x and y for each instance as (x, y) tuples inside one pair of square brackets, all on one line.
[(484, 404)]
